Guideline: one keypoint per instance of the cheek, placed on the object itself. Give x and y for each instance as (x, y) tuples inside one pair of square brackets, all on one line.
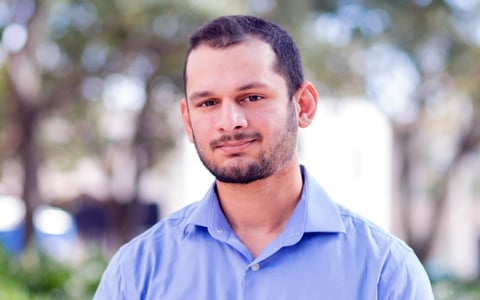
[(202, 128), (273, 120)]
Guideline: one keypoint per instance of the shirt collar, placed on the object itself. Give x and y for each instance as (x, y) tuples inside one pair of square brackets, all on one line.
[(208, 214), (321, 213), (315, 212)]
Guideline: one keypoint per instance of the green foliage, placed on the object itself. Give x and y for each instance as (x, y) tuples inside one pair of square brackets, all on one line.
[(454, 289), (34, 276)]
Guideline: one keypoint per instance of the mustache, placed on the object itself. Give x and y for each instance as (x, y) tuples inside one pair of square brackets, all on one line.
[(235, 137)]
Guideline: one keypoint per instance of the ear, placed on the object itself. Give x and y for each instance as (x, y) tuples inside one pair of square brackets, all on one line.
[(306, 101), (187, 124)]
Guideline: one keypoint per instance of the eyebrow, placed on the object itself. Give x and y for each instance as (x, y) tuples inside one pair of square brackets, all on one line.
[(205, 94), (199, 95), (252, 86)]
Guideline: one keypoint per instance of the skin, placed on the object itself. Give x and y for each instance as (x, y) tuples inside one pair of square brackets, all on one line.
[(239, 116)]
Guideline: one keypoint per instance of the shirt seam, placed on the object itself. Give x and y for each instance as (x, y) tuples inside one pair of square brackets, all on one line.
[(385, 235), (388, 272)]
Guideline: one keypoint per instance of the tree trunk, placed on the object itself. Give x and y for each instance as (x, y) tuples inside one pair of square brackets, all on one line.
[(25, 79), (467, 143), (29, 152)]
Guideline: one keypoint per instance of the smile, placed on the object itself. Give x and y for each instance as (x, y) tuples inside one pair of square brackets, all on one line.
[(235, 146)]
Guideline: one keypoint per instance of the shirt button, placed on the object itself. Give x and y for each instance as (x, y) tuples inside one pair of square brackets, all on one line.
[(255, 267)]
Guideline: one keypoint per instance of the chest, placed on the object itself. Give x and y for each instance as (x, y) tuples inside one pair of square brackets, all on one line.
[(213, 270)]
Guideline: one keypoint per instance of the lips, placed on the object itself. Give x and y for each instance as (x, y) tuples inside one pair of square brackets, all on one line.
[(236, 146), (236, 143)]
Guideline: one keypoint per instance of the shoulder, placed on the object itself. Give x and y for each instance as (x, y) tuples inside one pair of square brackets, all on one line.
[(166, 230), (164, 237), (370, 234), (401, 272), (376, 245), (129, 269)]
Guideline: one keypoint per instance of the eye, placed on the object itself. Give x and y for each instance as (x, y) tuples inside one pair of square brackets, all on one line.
[(252, 98), (208, 103)]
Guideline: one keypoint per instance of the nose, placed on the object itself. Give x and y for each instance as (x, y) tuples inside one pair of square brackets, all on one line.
[(232, 117)]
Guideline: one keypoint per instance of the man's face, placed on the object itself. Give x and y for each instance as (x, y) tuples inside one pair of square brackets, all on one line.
[(237, 111)]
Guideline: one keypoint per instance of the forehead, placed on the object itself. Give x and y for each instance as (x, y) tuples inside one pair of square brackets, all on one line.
[(251, 58)]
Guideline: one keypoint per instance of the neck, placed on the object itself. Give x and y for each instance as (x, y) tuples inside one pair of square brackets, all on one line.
[(258, 211)]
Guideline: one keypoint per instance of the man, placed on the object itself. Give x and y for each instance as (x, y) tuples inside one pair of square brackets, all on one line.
[(265, 229)]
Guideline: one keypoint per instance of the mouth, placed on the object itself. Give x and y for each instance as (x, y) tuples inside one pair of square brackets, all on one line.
[(236, 143), (235, 146)]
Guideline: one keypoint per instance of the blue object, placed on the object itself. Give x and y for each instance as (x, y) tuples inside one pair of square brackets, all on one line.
[(55, 232), (12, 224)]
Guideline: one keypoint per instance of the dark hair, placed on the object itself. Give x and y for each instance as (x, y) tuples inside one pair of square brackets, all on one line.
[(230, 30)]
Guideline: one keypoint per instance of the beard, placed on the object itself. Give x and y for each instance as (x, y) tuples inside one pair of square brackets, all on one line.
[(279, 151)]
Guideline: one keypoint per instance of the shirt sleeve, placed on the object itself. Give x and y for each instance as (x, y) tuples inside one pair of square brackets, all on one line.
[(404, 279), (112, 282)]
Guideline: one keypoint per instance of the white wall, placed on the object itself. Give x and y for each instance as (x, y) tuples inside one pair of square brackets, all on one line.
[(348, 148)]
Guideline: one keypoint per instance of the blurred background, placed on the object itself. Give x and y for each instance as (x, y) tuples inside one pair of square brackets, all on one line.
[(92, 150)]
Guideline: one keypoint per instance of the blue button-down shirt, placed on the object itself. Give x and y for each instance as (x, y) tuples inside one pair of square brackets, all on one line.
[(324, 252)]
